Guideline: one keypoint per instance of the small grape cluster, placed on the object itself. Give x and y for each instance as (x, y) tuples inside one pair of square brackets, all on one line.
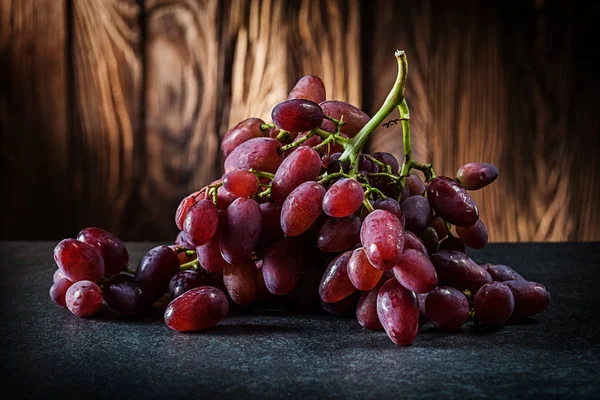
[(303, 218)]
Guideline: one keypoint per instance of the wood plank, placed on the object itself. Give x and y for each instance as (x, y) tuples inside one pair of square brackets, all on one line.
[(107, 120), (181, 106), (34, 124), (494, 92)]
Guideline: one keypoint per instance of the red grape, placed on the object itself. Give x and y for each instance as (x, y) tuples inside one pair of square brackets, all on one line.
[(209, 254), (309, 87), (58, 275), (241, 282), (502, 273), (271, 227), (452, 202), (530, 298), (242, 132), (440, 227), (412, 241), (366, 309), (182, 241), (447, 308), (417, 212), (335, 284), (83, 298), (186, 204), (301, 208), (260, 154), (199, 308), (398, 311), (58, 291), (475, 236), (282, 266), (242, 224), (240, 183), (301, 166), (343, 198), (430, 239), (111, 248), (355, 119), (459, 271), (473, 176), (415, 185), (362, 274), (79, 261), (415, 272), (392, 206), (387, 159), (297, 115), (339, 234), (201, 222), (493, 304), (155, 271), (124, 295), (382, 237)]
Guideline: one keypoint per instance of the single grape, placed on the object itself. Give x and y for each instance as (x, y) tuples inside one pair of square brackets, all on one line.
[(493, 304), (271, 227), (301, 166), (79, 261), (412, 241), (124, 295), (473, 176), (415, 185), (452, 202), (343, 308), (309, 87), (366, 309), (343, 198), (417, 212), (355, 119), (58, 291), (392, 206), (398, 311), (240, 183), (242, 224), (182, 241), (224, 198), (339, 234), (58, 275), (502, 273), (453, 243), (362, 274), (301, 208), (367, 165), (388, 159), (242, 132), (297, 115), (459, 271), (209, 254), (199, 308), (415, 272), (475, 236), (440, 227), (155, 271), (447, 308), (186, 204), (335, 284), (282, 266), (430, 239), (262, 292), (201, 222), (382, 237), (186, 280), (241, 282), (261, 154), (530, 298), (113, 251), (83, 298)]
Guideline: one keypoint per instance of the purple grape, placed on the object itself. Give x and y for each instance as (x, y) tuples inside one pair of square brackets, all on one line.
[(182, 241), (502, 273), (366, 309), (261, 154), (301, 166), (473, 176), (242, 132), (412, 241), (530, 298), (398, 311), (339, 234), (124, 295), (430, 239), (58, 291), (343, 198), (459, 271), (362, 274), (309, 87), (241, 282), (447, 308), (155, 271), (452, 202), (415, 185), (387, 159), (240, 183), (297, 115), (415, 272), (475, 236), (271, 227), (453, 243), (242, 224), (282, 266), (355, 119), (493, 304), (392, 206), (186, 280), (417, 212)]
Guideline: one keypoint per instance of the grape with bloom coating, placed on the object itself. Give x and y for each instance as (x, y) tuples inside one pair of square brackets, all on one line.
[(493, 304), (398, 311), (417, 212), (447, 308), (474, 176), (366, 309), (260, 154), (113, 251), (459, 271), (197, 309), (343, 198), (58, 275), (309, 87), (452, 202), (83, 298), (382, 237), (502, 273), (58, 291), (301, 208), (415, 272), (282, 266), (339, 234), (200, 223), (415, 185), (242, 132), (242, 224), (79, 261), (301, 166), (297, 115), (335, 284)]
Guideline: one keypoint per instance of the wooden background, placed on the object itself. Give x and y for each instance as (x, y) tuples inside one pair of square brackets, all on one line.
[(111, 111)]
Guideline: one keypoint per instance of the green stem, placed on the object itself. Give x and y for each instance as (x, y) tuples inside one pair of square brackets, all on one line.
[(265, 193), (262, 174), (368, 205), (193, 265), (393, 99), (405, 116), (386, 174), (283, 135), (266, 127), (335, 175)]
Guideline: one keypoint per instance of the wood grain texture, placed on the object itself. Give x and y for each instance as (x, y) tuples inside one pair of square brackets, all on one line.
[(34, 120), (181, 107), (496, 92), (106, 114)]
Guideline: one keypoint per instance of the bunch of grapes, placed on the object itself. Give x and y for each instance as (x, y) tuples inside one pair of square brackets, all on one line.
[(302, 218)]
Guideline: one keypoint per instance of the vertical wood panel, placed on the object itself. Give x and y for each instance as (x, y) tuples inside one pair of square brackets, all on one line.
[(36, 196), (181, 106), (107, 95)]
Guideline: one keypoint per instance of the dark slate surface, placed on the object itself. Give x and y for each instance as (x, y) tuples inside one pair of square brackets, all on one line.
[(46, 350)]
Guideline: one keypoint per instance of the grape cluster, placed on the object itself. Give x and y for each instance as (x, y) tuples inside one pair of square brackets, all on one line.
[(303, 218)]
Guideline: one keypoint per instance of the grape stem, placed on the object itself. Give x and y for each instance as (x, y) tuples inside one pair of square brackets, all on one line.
[(262, 174), (193, 265)]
